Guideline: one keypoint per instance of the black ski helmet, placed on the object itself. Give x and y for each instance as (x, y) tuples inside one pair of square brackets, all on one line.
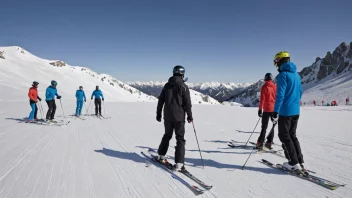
[(35, 83), (179, 70), (81, 87), (268, 76), (53, 83)]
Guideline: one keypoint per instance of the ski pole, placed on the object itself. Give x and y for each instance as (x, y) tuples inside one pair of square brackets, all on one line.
[(41, 109), (252, 132), (85, 106), (248, 158), (271, 131), (104, 108), (38, 107), (200, 153), (88, 107), (62, 109)]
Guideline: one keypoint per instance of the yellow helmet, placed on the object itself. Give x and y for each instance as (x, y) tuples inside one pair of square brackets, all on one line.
[(279, 56)]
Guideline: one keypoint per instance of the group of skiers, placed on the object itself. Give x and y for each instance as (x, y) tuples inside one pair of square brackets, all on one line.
[(333, 103), (280, 103), (51, 93)]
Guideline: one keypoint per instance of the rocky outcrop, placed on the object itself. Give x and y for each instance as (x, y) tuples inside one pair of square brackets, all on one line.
[(334, 63), (58, 64), (2, 55)]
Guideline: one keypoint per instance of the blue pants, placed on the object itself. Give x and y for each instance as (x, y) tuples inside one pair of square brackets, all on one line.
[(31, 115), (79, 107)]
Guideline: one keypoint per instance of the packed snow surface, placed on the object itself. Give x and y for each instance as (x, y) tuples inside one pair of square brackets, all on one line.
[(102, 158)]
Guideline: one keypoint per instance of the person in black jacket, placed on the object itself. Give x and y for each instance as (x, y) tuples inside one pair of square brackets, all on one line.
[(176, 100)]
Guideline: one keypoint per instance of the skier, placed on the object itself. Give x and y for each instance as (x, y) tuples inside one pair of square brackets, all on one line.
[(33, 99), (314, 103), (322, 103), (97, 101), (176, 100), (267, 101), (81, 97), (287, 107), (50, 94)]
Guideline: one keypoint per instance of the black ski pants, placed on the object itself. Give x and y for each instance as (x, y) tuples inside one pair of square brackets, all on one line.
[(179, 128), (265, 121), (97, 103), (290, 143), (52, 109)]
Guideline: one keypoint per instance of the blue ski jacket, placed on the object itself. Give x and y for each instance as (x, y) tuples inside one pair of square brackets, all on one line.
[(97, 94), (80, 95), (289, 91), (50, 93)]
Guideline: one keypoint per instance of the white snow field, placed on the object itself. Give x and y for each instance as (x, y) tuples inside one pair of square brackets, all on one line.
[(20, 68), (102, 158)]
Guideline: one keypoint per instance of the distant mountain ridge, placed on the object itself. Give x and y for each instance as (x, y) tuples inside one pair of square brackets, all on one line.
[(216, 90), (328, 78)]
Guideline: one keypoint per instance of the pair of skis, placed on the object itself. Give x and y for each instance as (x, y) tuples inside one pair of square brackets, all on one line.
[(175, 174), (306, 176), (47, 123), (233, 144)]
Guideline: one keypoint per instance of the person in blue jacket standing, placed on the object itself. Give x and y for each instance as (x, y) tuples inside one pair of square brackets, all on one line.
[(287, 106), (50, 94), (81, 97), (98, 98)]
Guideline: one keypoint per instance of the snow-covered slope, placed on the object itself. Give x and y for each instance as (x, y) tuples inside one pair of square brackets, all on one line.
[(102, 158), (19, 68), (154, 89)]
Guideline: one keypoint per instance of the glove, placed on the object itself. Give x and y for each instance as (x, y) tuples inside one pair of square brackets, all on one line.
[(103, 99), (85, 100), (91, 98), (158, 118), (189, 119), (274, 116), (39, 99), (260, 113), (58, 97)]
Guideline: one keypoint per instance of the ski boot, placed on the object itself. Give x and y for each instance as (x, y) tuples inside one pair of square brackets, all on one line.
[(179, 167), (305, 171), (295, 169), (29, 121), (259, 146), (268, 145)]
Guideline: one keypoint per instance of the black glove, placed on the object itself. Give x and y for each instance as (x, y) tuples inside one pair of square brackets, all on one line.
[(39, 99), (58, 97), (260, 113), (158, 118), (189, 119), (274, 116), (85, 100), (91, 98), (103, 99)]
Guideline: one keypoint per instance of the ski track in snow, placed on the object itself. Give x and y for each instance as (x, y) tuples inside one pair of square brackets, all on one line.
[(101, 158)]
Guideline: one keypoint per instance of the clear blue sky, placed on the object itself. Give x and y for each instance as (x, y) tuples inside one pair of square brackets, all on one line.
[(216, 40)]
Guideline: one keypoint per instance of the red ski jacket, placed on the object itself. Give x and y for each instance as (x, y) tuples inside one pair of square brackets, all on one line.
[(267, 96), (33, 94)]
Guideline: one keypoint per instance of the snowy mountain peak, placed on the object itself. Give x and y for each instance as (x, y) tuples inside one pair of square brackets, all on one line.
[(219, 91)]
